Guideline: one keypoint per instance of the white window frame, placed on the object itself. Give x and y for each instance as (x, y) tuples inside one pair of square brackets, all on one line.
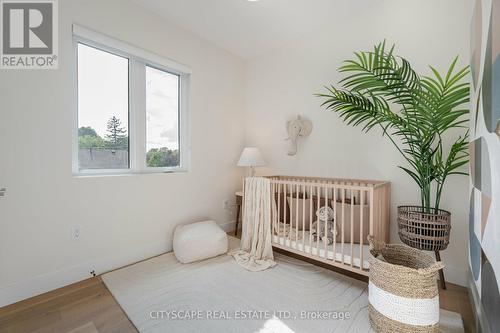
[(138, 60)]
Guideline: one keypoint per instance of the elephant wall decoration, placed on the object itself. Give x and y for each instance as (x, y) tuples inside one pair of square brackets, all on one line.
[(298, 128)]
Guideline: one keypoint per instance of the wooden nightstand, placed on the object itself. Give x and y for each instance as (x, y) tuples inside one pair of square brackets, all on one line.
[(239, 202)]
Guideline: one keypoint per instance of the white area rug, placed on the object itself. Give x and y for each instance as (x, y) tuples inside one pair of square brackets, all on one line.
[(217, 295)]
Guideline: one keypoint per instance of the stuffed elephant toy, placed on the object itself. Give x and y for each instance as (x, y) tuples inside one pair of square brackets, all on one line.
[(296, 129)]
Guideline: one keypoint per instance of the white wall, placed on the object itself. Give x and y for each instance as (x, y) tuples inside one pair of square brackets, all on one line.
[(123, 218), (281, 85)]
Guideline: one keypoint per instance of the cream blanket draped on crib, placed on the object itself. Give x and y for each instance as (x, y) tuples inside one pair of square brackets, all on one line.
[(256, 251)]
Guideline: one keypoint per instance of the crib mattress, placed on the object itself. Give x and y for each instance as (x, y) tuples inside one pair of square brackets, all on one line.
[(319, 250)]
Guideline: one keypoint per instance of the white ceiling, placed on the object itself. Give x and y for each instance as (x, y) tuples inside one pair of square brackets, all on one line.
[(247, 28)]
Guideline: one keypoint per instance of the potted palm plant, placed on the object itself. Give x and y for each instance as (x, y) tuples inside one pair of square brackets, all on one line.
[(381, 90)]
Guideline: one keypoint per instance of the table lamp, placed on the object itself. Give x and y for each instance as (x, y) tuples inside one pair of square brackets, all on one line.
[(251, 157)]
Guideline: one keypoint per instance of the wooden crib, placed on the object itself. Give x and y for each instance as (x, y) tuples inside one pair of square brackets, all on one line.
[(360, 208)]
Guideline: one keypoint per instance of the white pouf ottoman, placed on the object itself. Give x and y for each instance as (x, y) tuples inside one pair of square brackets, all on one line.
[(198, 241)]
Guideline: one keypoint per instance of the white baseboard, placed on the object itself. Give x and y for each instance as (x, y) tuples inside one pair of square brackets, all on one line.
[(43, 283)]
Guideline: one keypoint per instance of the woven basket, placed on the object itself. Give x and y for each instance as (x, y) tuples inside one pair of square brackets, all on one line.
[(424, 231), (403, 291)]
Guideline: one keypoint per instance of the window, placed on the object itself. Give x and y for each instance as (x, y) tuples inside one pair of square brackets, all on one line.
[(162, 118), (131, 110), (103, 110)]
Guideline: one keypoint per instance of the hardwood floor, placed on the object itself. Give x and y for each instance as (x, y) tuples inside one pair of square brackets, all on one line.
[(88, 307), (456, 298), (83, 307)]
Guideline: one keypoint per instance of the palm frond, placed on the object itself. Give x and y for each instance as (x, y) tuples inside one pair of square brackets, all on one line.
[(382, 90)]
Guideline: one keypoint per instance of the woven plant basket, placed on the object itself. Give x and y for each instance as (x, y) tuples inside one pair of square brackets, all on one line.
[(403, 292), (424, 231)]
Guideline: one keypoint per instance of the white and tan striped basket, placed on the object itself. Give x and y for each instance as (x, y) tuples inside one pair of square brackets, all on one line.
[(403, 291)]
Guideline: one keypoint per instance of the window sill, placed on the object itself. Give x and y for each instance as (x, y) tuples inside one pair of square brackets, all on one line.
[(114, 173)]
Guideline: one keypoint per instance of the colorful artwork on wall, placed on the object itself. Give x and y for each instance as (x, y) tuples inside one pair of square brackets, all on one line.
[(491, 74), (490, 296), (476, 39), (474, 243), (493, 119), (484, 148), (480, 172)]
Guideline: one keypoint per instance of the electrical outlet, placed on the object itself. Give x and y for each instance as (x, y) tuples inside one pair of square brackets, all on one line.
[(3, 192), (225, 204), (76, 232)]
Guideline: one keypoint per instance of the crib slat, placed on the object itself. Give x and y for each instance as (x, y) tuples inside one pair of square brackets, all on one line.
[(336, 223), (271, 210), (297, 215), (311, 195), (290, 220), (371, 211), (343, 215), (303, 216), (361, 206), (317, 224), (325, 235), (279, 210), (284, 213), (352, 229)]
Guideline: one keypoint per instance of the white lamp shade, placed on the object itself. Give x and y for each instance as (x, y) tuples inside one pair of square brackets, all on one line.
[(251, 157)]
